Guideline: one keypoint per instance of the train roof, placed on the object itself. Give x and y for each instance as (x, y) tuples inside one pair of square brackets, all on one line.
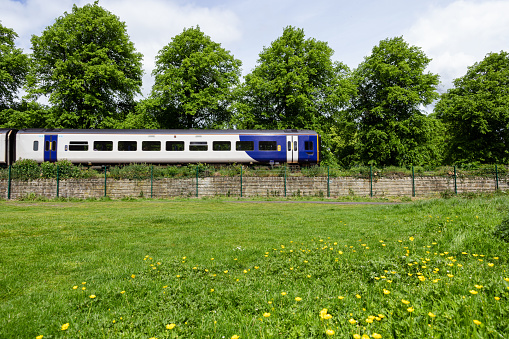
[(164, 131)]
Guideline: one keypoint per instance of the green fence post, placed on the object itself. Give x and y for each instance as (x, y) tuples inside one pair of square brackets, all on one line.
[(9, 184), (105, 181), (241, 181), (455, 185), (371, 181), (413, 182), (328, 182), (151, 181), (197, 169), (496, 177), (285, 180), (58, 183)]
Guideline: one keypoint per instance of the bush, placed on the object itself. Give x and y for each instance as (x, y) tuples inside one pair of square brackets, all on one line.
[(26, 169)]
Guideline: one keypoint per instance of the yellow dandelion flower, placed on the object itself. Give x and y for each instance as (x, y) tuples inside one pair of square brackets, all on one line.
[(75, 287), (84, 283), (491, 264), (352, 321), (356, 336), (410, 309), (376, 335), (357, 296), (387, 291), (497, 298), (365, 336), (65, 326), (39, 337), (266, 314), (133, 276), (477, 322), (211, 290), (431, 315), (369, 320), (327, 316), (411, 238), (283, 293), (92, 296), (341, 297), (406, 302), (473, 292), (170, 326), (298, 298), (450, 275), (506, 279), (330, 332), (83, 288), (226, 271), (235, 336), (479, 286)]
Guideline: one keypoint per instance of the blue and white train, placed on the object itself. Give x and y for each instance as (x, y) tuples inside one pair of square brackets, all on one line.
[(100, 147)]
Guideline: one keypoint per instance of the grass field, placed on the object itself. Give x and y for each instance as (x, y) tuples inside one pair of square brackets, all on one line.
[(216, 269)]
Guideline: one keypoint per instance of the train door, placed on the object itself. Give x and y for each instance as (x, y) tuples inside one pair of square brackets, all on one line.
[(292, 149), (50, 148)]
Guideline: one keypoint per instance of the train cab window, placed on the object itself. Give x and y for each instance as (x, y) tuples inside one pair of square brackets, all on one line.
[(36, 146), (198, 146), (221, 146), (103, 145), (244, 146), (127, 146), (151, 146), (267, 146), (77, 146), (308, 145), (174, 145)]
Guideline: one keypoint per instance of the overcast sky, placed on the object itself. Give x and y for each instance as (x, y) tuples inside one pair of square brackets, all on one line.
[(454, 33)]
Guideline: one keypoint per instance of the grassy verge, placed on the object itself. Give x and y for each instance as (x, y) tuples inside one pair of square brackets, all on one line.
[(213, 269)]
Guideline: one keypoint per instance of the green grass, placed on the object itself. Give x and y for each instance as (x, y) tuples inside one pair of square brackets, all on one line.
[(215, 268)]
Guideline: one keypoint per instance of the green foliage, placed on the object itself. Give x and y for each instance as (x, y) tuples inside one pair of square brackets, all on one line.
[(26, 115), (194, 81), (294, 85), (391, 87), (26, 169), (88, 67), (502, 230), (476, 113), (13, 67)]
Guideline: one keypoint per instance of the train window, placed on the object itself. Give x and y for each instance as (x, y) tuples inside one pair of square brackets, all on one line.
[(245, 146), (221, 146), (308, 145), (267, 146), (289, 146), (174, 145), (127, 146), (36, 145), (103, 145), (295, 146), (151, 146), (76, 146), (198, 146)]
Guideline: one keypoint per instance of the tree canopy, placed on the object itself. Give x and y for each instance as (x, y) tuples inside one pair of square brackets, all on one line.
[(13, 68), (194, 82), (392, 86), (476, 113), (88, 68), (294, 85)]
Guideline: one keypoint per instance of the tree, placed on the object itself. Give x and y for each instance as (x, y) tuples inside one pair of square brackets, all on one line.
[(194, 82), (294, 85), (476, 113), (88, 67), (13, 68), (391, 88)]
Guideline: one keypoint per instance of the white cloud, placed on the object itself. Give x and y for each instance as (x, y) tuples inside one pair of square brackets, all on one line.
[(460, 34)]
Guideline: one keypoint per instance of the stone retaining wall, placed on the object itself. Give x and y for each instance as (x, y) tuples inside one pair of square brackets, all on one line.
[(251, 186)]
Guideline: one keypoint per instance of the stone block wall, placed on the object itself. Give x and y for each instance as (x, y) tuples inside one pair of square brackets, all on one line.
[(251, 187)]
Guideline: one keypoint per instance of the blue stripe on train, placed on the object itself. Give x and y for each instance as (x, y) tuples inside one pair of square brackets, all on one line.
[(278, 155)]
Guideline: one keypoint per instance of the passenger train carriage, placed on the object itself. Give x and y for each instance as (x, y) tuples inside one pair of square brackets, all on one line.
[(99, 147)]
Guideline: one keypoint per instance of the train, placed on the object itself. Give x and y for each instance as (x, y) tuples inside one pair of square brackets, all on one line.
[(108, 147)]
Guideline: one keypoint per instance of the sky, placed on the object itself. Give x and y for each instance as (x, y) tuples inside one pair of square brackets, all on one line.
[(455, 34)]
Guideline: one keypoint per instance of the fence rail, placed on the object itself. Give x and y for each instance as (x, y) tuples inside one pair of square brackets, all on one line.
[(237, 181)]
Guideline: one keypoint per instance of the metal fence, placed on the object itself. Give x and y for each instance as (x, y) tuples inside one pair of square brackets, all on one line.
[(240, 181)]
